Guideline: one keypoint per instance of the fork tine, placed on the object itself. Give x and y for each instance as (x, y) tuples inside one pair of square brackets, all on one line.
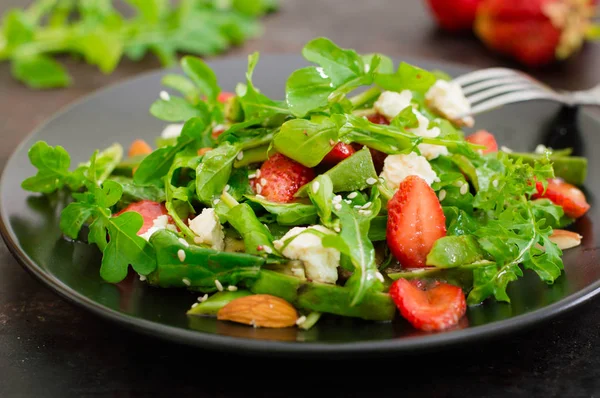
[(514, 97), (484, 74), (476, 87), (496, 91)]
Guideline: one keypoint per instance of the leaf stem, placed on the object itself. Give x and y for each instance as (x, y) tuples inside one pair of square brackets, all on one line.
[(364, 97)]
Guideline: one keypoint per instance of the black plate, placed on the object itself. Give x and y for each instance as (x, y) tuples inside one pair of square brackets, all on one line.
[(120, 114)]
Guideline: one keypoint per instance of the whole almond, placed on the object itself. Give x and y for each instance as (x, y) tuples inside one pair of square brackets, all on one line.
[(565, 239), (260, 310)]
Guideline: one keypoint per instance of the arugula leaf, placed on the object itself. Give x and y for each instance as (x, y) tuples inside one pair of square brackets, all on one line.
[(288, 213), (338, 64), (355, 224), (257, 238), (202, 76), (157, 164), (183, 85), (52, 164), (253, 102), (307, 89), (305, 141), (214, 172), (320, 192), (40, 72), (176, 109), (407, 77)]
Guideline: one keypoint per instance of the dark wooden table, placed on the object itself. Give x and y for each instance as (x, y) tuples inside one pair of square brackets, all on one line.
[(48, 347)]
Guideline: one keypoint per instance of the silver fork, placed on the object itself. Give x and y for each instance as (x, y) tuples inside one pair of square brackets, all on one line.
[(488, 89)]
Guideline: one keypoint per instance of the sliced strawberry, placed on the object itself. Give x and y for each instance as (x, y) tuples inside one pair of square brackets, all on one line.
[(563, 194), (415, 222), (378, 118), (429, 308), (339, 152), (280, 178), (224, 96), (149, 210), (484, 138)]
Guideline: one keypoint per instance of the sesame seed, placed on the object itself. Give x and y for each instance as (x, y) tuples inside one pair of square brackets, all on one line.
[(353, 195), (315, 186), (365, 212), (194, 305), (184, 242), (203, 298), (495, 183), (371, 181), (267, 249), (331, 142), (198, 240), (218, 285), (458, 183), (260, 197), (442, 194), (367, 205), (240, 155), (216, 201), (227, 188), (181, 255), (505, 149), (186, 282), (348, 201), (301, 320), (263, 181), (232, 288), (142, 277), (379, 276), (337, 199), (337, 228), (251, 176), (464, 189), (165, 96), (337, 206), (257, 173), (258, 188), (357, 206)]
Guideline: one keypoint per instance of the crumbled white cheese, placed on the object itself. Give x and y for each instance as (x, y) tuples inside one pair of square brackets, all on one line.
[(208, 229), (320, 263), (448, 99), (171, 131), (390, 104), (430, 151), (160, 222), (397, 167)]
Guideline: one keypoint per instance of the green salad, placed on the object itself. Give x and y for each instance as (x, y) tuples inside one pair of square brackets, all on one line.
[(357, 195)]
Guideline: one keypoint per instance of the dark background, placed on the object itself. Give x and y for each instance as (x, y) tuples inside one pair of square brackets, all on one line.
[(48, 347)]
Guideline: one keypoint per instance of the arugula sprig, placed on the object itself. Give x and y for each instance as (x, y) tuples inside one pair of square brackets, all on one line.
[(99, 33), (116, 236)]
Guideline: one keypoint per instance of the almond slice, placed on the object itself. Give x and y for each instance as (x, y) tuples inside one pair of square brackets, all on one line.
[(565, 239), (260, 310)]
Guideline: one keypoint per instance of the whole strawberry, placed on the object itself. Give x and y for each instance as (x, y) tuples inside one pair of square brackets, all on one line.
[(454, 15), (534, 32)]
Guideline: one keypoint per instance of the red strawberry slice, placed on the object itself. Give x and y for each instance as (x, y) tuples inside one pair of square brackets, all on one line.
[(429, 308), (339, 152), (484, 138), (377, 156), (415, 222), (563, 194), (454, 15), (149, 210), (224, 96), (280, 178)]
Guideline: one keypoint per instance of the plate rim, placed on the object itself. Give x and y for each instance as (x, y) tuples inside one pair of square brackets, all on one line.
[(215, 341)]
